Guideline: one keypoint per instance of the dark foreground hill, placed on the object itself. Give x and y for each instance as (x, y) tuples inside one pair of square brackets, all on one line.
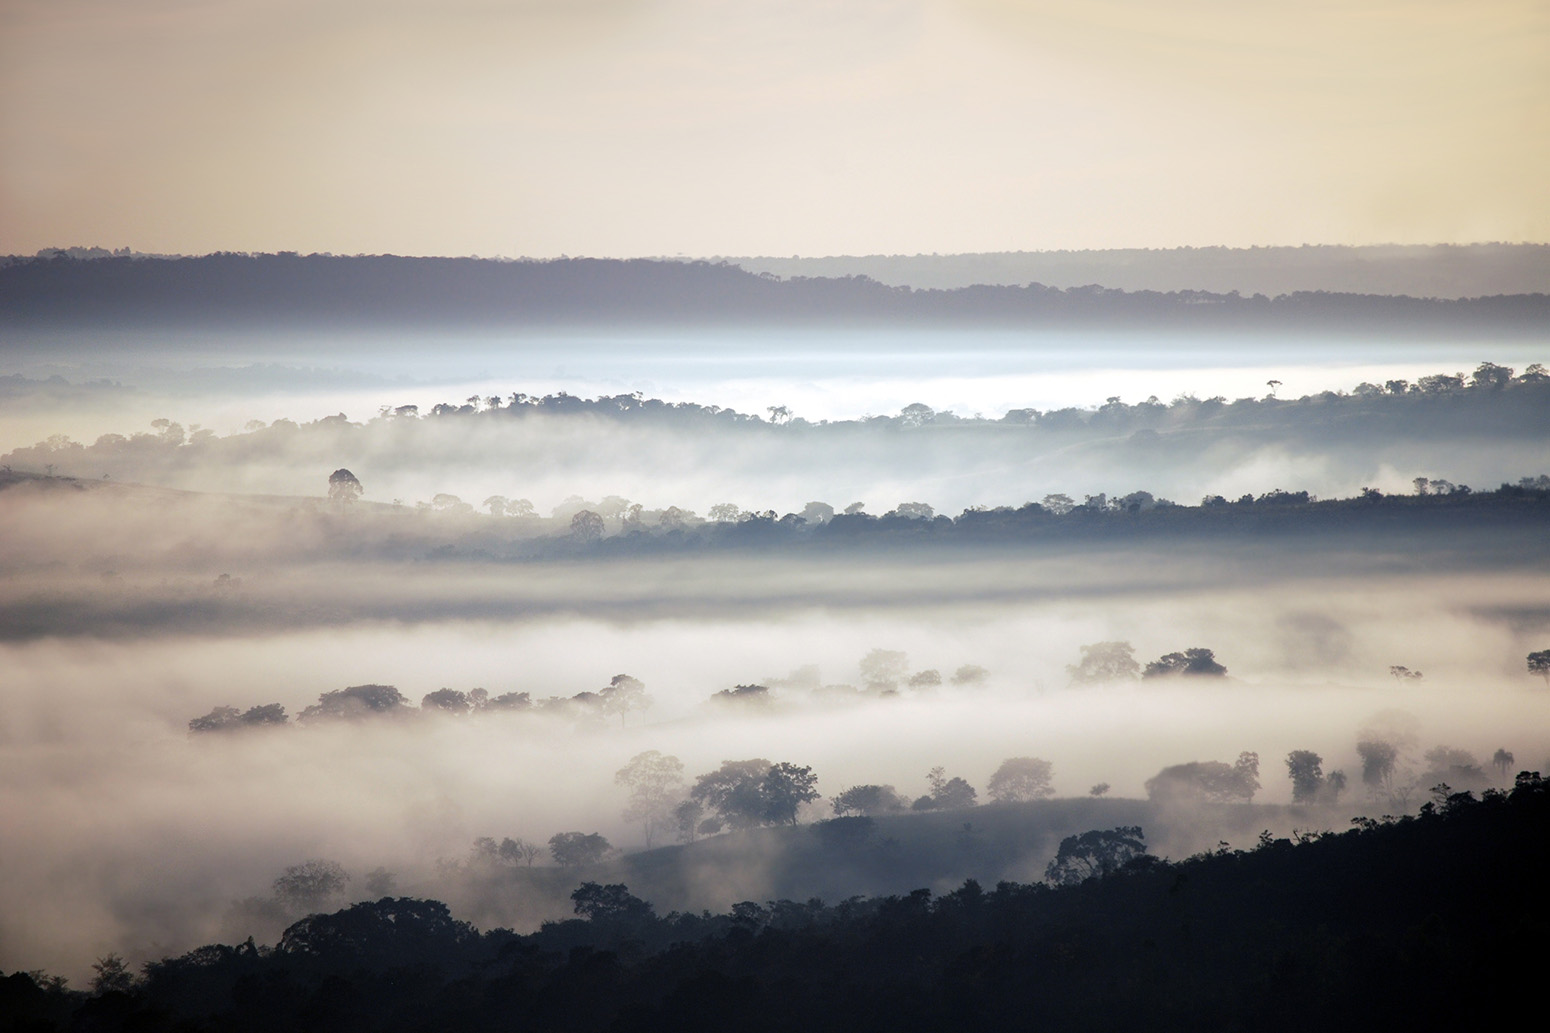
[(1432, 922)]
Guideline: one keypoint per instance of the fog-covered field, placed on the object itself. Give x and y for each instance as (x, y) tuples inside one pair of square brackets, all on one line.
[(149, 577)]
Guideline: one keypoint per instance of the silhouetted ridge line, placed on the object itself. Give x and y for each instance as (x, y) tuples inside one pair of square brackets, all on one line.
[(1387, 925), (298, 290)]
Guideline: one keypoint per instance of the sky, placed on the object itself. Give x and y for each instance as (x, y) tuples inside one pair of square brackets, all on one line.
[(706, 127)]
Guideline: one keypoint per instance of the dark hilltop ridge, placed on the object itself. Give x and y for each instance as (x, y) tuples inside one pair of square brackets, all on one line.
[(255, 291), (1425, 922), (1417, 270)]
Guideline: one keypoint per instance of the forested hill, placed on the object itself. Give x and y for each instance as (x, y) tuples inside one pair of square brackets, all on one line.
[(1422, 271), (289, 290), (1429, 922)]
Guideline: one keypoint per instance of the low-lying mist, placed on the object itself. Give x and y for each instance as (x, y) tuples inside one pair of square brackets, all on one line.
[(992, 424), (189, 628), (126, 832)]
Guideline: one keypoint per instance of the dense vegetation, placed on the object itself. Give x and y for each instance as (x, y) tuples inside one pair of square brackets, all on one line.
[(1429, 922)]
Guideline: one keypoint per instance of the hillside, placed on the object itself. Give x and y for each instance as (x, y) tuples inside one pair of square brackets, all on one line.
[(1387, 925), (289, 290)]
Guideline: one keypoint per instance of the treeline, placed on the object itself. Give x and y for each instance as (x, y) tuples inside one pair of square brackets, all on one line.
[(289, 290), (622, 696), (1451, 270), (1434, 395), (620, 527), (1386, 924)]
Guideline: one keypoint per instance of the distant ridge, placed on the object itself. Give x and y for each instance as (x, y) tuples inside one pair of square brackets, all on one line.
[(1421, 271), (290, 290)]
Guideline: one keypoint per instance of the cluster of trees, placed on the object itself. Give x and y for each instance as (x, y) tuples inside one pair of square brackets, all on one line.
[(883, 672), (582, 520), (634, 529), (744, 794), (622, 696), (1116, 661), (1393, 773), (740, 794), (1231, 938), (1386, 774), (1211, 780)]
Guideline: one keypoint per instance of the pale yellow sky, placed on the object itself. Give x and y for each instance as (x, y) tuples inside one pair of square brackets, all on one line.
[(644, 127)]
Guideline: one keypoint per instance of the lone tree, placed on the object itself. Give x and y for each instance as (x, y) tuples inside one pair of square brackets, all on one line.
[(1021, 778), (786, 788), (111, 976), (310, 885), (1501, 760), (1378, 760), (574, 849), (356, 702), (624, 695), (1095, 854), (1105, 662), (884, 669), (868, 800), (1208, 780), (734, 791), (1195, 661), (613, 902), (1539, 663), (655, 782), (946, 793), (1306, 770), (586, 526), (343, 487), (748, 793)]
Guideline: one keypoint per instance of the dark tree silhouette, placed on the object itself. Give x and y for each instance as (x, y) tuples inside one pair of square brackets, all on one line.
[(749, 793), (574, 849), (946, 793), (735, 791), (390, 933), (1208, 780), (356, 702), (687, 818), (111, 975), (1502, 760), (1539, 663), (1378, 760), (743, 696), (586, 526), (1306, 770), (311, 885), (343, 487), (445, 701), (1095, 854), (227, 719), (786, 788), (613, 902), (1193, 662), (869, 800)]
